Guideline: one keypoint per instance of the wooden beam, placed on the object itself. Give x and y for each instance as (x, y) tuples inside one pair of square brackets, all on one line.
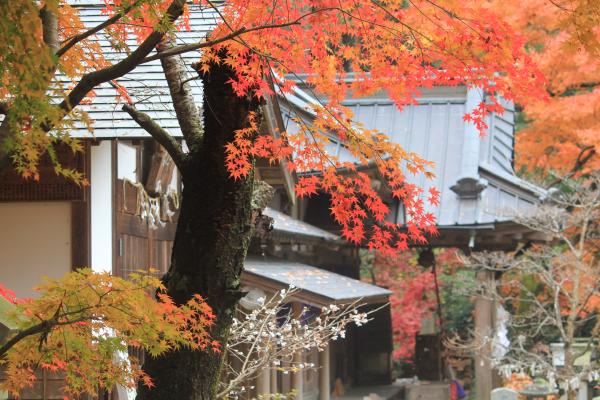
[(114, 165), (263, 383), (274, 381)]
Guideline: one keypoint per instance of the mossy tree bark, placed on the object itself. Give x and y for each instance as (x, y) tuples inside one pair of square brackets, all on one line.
[(213, 233)]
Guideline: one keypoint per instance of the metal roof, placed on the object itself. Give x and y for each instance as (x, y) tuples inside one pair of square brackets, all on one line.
[(475, 176), (322, 286), (285, 224)]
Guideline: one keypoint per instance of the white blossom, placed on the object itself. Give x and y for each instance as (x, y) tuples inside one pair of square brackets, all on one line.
[(265, 339)]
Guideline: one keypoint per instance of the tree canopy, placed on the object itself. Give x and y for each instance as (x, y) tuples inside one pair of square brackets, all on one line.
[(562, 130), (338, 46), (51, 63)]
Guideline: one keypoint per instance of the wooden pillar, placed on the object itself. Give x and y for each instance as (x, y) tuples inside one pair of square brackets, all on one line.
[(273, 381), (263, 382), (484, 329), (298, 377), (324, 379), (432, 366)]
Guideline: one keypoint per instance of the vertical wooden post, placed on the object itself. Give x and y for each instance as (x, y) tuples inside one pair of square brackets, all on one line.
[(298, 377), (273, 381), (324, 379), (427, 260), (484, 328), (263, 382)]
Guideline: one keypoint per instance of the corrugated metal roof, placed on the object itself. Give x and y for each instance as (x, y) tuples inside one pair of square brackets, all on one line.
[(285, 224), (330, 286)]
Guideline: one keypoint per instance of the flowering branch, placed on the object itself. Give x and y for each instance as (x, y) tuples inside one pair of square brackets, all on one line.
[(268, 336)]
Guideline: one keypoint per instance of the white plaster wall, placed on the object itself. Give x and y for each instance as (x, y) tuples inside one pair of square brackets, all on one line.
[(101, 204), (35, 242), (127, 161)]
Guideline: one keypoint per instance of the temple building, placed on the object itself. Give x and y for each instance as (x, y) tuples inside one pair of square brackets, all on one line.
[(125, 219)]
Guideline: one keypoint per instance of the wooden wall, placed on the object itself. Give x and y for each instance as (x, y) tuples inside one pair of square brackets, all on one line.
[(139, 246), (48, 386)]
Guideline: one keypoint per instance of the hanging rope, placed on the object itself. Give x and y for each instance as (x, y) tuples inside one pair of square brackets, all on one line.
[(152, 209)]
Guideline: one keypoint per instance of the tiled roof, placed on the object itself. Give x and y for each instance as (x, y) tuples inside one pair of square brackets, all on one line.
[(330, 286), (146, 84)]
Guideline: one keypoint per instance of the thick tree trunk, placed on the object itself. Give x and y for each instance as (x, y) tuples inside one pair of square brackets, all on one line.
[(213, 234)]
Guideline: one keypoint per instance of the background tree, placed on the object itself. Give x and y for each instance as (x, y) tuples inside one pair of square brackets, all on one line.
[(412, 300), (396, 46), (551, 290), (561, 132)]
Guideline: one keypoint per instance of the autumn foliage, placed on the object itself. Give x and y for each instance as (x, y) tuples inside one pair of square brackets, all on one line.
[(412, 300), (561, 127), (361, 48), (82, 325), (334, 47)]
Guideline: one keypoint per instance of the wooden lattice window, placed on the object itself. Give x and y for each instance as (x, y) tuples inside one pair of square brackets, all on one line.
[(50, 186), (47, 386)]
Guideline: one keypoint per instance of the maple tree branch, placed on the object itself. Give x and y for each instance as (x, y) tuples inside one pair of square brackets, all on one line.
[(128, 64), (267, 57), (44, 326), (232, 35), (194, 46), (199, 45), (411, 30), (78, 38), (584, 156), (158, 133)]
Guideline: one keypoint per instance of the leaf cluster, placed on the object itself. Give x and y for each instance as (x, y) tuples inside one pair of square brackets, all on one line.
[(82, 325)]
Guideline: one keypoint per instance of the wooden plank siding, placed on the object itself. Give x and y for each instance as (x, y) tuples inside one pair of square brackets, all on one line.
[(48, 186), (138, 246)]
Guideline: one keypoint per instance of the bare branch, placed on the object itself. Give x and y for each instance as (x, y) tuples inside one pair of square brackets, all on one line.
[(158, 133), (263, 339), (549, 286)]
